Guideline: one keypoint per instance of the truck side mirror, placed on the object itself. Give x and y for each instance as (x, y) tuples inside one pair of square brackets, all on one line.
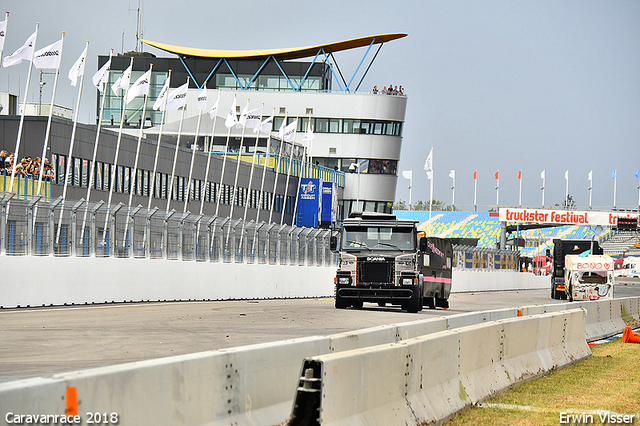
[(333, 243), (423, 243)]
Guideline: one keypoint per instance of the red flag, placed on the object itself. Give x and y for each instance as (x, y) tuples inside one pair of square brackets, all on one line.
[(475, 175), (519, 174), (497, 174)]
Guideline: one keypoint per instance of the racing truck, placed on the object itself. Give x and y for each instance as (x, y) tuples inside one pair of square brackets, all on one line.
[(588, 277), (562, 248), (384, 260)]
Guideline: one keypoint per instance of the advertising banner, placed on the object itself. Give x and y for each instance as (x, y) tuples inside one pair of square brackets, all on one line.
[(309, 203), (561, 217), (329, 202)]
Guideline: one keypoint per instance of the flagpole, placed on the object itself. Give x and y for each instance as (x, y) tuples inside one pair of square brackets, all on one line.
[(224, 162), (590, 187), (430, 198), (253, 163), (305, 170), (48, 131), (175, 157), (410, 188), (566, 191), (453, 190), (20, 126), (155, 161), (498, 188), (206, 174), (615, 179), (95, 150), (542, 188), (520, 195), (264, 168), (235, 181), (275, 180), (115, 161), (286, 186), (475, 191), (193, 157), (134, 178)]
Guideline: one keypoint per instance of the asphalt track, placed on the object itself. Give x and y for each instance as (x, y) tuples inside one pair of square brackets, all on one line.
[(45, 341)]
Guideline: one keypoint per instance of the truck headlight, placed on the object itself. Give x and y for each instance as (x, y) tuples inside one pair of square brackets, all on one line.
[(407, 281), (344, 280)]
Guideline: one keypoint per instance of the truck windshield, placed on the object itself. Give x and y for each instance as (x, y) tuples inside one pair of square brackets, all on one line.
[(378, 238), (593, 277)]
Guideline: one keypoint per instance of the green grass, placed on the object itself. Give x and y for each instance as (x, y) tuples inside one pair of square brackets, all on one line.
[(608, 380)]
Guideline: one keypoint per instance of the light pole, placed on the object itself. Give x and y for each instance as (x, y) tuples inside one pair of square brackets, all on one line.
[(355, 168)]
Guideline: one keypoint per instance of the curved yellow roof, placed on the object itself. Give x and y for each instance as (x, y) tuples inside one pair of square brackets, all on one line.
[(280, 54)]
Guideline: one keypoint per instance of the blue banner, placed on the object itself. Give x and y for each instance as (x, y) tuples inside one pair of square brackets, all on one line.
[(329, 202), (309, 203)]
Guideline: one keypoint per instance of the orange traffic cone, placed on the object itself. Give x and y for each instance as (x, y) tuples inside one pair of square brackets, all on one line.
[(630, 336)]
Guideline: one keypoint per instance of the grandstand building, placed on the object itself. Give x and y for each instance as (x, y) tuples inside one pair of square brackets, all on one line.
[(350, 126)]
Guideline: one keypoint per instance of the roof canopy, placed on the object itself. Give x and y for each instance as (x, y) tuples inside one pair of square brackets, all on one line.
[(278, 54)]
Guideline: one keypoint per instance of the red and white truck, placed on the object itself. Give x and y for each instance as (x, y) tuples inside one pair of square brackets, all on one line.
[(588, 277)]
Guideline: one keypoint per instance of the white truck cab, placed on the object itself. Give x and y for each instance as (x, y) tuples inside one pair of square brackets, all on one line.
[(588, 277)]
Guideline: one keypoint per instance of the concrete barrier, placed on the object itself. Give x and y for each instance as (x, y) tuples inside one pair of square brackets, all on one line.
[(87, 280), (256, 384), (426, 380), (470, 281)]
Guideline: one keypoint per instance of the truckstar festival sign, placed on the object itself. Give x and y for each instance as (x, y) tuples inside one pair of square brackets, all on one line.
[(562, 217)]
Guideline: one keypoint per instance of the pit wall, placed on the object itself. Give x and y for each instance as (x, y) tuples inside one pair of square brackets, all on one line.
[(88, 280)]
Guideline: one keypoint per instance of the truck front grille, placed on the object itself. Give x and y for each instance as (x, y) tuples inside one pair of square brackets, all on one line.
[(376, 272)]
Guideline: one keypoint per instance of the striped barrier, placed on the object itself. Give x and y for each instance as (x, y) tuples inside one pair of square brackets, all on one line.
[(251, 384), (426, 380)]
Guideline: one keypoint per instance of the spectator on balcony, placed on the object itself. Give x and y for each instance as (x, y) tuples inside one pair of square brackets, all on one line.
[(3, 157), (375, 90)]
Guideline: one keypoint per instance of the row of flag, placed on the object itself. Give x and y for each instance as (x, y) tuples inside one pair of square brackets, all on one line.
[(408, 174)]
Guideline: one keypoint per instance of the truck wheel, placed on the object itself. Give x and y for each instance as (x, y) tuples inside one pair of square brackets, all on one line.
[(442, 303), (430, 302), (413, 306), (570, 293), (340, 302), (382, 304)]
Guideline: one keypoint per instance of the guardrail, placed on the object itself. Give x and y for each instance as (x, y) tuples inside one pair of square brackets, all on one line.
[(256, 384)]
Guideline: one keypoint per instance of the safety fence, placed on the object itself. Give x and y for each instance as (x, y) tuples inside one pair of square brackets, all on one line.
[(80, 229)]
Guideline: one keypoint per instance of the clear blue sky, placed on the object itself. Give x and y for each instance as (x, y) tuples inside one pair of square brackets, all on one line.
[(492, 85)]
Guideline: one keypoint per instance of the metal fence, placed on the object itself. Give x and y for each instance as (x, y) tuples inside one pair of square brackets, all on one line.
[(83, 230)]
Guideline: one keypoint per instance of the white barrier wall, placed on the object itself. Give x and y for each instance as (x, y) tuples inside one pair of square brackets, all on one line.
[(80, 280), (86, 280), (469, 281), (426, 380)]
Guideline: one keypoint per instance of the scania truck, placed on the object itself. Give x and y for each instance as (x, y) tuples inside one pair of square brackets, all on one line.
[(562, 248), (383, 260)]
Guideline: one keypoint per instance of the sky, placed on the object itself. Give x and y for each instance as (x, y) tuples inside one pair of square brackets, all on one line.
[(492, 85)]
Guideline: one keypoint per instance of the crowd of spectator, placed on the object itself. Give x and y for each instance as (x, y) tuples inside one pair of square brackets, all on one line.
[(26, 167), (389, 91)]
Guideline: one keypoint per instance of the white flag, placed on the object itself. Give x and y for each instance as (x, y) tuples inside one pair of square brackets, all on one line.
[(78, 67), (452, 174), (231, 120), (123, 81), (542, 175), (407, 174), (253, 118), (101, 77), (201, 102), (214, 109), (266, 125), (159, 103), (140, 87), (48, 57), (288, 133), (243, 117), (590, 177), (177, 97), (3, 30), (308, 136), (428, 165), (566, 175), (24, 52)]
